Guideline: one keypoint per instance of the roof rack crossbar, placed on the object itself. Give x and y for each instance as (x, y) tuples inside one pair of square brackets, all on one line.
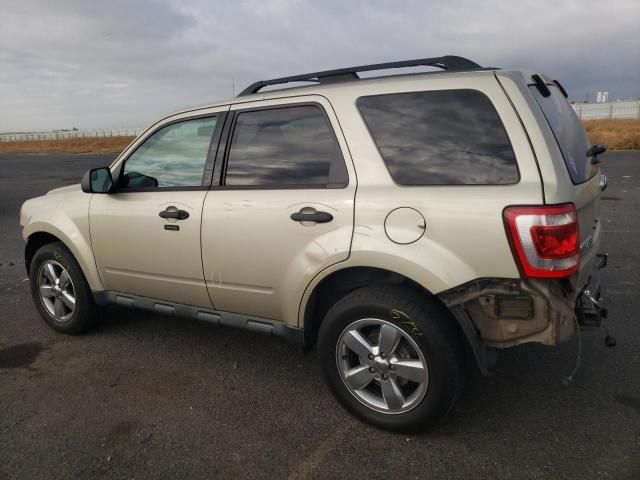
[(447, 62)]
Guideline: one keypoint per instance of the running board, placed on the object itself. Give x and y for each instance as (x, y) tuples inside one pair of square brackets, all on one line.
[(255, 324)]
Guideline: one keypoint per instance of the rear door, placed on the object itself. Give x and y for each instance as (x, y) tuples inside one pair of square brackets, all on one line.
[(283, 209), (584, 174)]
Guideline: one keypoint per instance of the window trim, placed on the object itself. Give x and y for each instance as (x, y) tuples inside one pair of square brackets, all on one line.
[(222, 159), (207, 170), (371, 136)]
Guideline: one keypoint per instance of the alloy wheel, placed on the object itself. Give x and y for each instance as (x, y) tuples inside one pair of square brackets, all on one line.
[(57, 292), (382, 366)]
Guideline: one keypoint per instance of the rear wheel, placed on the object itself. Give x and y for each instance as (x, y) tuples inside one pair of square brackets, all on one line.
[(392, 357), (59, 290)]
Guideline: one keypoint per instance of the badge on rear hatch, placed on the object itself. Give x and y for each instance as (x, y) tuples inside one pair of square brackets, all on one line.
[(586, 245)]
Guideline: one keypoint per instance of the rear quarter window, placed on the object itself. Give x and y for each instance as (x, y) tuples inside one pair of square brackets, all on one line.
[(445, 137)]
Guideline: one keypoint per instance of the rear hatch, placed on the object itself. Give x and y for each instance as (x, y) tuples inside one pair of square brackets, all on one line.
[(585, 175)]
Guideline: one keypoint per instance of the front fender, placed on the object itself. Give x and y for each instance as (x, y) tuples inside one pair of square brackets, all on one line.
[(66, 217)]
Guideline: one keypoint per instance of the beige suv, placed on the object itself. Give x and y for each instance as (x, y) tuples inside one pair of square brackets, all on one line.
[(397, 222)]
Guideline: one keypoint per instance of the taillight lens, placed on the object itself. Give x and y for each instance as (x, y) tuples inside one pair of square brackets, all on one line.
[(545, 239)]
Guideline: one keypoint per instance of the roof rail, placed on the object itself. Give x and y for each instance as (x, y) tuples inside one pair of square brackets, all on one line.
[(448, 62)]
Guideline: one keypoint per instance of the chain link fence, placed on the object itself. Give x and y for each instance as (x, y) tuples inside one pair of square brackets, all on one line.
[(69, 134)]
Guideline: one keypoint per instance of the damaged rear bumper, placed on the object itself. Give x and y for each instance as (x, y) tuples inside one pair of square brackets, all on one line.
[(502, 313)]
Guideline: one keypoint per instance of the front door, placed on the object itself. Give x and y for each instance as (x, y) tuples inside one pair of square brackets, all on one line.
[(146, 234), (283, 209)]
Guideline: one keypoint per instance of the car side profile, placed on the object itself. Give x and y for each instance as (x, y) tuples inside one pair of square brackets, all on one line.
[(395, 224)]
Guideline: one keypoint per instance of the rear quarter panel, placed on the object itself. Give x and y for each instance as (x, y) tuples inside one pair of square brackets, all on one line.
[(464, 237)]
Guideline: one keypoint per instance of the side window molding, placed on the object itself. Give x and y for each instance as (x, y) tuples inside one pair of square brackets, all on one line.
[(209, 168), (219, 164)]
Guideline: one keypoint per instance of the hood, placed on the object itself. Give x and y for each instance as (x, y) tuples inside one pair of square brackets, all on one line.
[(68, 188)]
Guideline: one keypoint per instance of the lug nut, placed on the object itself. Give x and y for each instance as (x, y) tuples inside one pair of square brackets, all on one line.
[(371, 356), (383, 355), (372, 370)]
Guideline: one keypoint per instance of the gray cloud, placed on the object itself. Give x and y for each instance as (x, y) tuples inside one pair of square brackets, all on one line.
[(124, 63)]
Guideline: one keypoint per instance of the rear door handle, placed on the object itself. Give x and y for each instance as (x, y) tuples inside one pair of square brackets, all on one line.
[(317, 217), (177, 214)]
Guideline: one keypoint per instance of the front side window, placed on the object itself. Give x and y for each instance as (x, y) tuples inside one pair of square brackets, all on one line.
[(284, 147), (174, 156), (446, 137)]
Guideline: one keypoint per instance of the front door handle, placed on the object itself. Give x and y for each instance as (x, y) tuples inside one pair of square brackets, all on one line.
[(317, 217), (177, 214)]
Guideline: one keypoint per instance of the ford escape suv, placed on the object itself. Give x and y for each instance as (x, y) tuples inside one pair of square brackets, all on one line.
[(395, 223)]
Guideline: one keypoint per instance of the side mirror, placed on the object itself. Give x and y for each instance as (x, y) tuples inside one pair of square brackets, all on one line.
[(97, 180)]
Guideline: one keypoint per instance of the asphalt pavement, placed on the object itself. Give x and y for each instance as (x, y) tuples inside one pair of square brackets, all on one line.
[(146, 396)]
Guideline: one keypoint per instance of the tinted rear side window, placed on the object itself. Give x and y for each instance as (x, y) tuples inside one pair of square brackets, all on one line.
[(285, 147), (447, 137), (569, 133)]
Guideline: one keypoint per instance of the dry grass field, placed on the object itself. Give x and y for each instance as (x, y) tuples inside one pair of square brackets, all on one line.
[(70, 145), (615, 134)]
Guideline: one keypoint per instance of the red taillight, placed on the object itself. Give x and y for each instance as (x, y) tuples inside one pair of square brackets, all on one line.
[(556, 241), (545, 239)]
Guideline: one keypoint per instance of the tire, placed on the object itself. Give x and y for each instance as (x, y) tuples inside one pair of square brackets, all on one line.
[(422, 331), (54, 304)]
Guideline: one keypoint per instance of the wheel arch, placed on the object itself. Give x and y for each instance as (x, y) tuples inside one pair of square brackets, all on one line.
[(83, 254), (34, 242), (336, 284)]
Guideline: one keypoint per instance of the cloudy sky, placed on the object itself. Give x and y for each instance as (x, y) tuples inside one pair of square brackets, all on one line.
[(120, 63)]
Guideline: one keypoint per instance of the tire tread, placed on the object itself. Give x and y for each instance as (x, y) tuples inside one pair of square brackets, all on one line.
[(434, 322)]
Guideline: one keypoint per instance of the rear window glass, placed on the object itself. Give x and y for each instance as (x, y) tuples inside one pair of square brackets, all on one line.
[(445, 137), (569, 133)]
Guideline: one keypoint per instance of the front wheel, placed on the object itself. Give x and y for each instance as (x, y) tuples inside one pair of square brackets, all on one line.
[(59, 290), (392, 357)]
